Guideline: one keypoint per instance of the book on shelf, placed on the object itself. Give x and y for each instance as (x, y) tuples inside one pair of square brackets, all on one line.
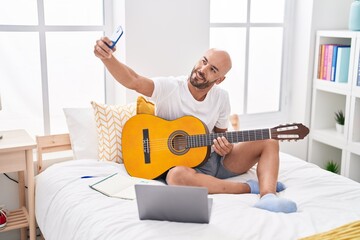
[(342, 64), (120, 186), (321, 61), (325, 61), (333, 62), (330, 49)]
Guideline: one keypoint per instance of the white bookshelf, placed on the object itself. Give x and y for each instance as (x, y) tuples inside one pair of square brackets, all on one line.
[(326, 144)]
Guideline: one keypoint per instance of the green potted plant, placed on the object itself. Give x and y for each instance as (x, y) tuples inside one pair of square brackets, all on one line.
[(332, 166), (340, 121)]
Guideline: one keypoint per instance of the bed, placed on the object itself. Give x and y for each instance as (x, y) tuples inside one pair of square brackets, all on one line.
[(67, 208)]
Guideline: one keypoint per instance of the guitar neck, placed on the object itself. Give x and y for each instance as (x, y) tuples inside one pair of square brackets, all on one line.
[(202, 140)]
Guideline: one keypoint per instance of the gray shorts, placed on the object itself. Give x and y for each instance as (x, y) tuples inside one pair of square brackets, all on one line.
[(214, 166)]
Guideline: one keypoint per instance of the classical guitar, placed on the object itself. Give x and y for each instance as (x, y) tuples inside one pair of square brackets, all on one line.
[(152, 145)]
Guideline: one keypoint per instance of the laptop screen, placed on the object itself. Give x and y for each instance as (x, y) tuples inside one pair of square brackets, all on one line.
[(173, 203)]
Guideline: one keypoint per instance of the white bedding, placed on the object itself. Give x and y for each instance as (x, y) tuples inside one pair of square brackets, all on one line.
[(67, 208)]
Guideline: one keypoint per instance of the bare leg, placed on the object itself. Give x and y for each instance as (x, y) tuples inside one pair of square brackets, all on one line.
[(189, 177), (265, 153), (240, 160)]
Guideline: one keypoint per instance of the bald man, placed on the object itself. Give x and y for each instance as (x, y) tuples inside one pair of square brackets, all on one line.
[(198, 95)]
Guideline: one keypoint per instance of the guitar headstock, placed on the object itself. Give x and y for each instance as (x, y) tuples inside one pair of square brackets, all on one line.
[(295, 131)]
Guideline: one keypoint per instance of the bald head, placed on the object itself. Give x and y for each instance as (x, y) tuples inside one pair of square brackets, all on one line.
[(220, 58)]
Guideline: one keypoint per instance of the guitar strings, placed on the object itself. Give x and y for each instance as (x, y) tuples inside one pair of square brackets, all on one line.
[(255, 134), (161, 144), (204, 138)]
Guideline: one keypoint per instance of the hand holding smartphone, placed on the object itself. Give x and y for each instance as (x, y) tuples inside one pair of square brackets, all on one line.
[(116, 36)]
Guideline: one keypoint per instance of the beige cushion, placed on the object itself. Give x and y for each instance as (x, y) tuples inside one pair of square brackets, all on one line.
[(110, 120)]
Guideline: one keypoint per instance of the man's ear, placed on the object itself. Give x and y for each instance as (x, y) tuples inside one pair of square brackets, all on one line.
[(220, 80)]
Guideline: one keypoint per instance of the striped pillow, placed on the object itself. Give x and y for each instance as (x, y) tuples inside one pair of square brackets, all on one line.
[(110, 120)]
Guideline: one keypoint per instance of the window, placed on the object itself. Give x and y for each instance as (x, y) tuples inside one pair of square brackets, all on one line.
[(47, 61), (253, 32)]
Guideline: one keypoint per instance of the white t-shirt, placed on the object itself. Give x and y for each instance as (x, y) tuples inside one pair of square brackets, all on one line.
[(173, 99)]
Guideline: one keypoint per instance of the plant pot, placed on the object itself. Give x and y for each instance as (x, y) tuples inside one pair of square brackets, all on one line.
[(339, 128)]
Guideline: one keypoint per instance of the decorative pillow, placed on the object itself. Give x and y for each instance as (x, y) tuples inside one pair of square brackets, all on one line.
[(110, 120), (143, 106), (82, 130)]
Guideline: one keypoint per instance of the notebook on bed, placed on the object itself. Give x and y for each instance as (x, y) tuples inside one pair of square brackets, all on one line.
[(173, 203)]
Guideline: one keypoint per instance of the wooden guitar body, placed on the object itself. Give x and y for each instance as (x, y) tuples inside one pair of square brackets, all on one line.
[(152, 145)]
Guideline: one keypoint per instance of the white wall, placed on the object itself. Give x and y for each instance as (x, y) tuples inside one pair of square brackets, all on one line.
[(309, 16), (165, 37)]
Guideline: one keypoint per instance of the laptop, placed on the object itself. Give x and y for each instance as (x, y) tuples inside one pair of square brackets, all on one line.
[(173, 203)]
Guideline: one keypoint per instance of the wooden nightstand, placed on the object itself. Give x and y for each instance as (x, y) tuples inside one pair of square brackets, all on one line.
[(16, 156)]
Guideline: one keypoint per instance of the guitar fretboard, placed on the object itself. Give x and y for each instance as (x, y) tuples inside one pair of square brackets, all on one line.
[(202, 140)]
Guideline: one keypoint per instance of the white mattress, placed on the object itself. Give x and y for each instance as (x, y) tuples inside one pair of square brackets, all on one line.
[(67, 208)]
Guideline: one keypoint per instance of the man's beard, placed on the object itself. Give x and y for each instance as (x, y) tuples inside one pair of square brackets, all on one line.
[(194, 80)]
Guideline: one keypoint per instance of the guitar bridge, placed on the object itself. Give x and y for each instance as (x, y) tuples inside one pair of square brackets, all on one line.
[(146, 145)]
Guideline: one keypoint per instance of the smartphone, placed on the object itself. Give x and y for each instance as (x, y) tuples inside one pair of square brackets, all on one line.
[(116, 36)]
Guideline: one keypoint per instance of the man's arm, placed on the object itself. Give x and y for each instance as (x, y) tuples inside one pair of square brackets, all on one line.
[(122, 73)]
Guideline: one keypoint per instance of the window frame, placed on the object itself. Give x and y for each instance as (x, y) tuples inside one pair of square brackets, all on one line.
[(41, 28), (251, 120)]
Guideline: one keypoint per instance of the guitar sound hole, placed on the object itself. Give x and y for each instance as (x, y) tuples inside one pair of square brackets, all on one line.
[(179, 143)]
